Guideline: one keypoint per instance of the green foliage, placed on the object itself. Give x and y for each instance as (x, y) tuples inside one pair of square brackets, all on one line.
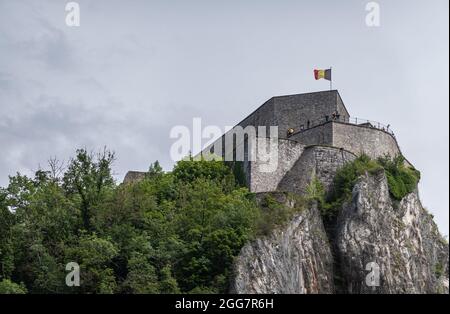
[(237, 167), (155, 169), (315, 191), (6, 241), (213, 225), (401, 180), (87, 179), (94, 255), (439, 270), (189, 170), (175, 232), (9, 287), (275, 213), (344, 181), (168, 284)]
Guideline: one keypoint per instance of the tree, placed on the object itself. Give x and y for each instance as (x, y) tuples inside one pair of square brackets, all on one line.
[(6, 240), (95, 256), (89, 178), (215, 170), (9, 287), (171, 232), (214, 225), (141, 277)]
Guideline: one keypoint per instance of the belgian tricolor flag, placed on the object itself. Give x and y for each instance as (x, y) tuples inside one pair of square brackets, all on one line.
[(322, 74)]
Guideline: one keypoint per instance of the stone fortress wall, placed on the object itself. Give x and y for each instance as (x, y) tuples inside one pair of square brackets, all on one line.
[(355, 138), (319, 145), (288, 153), (317, 161), (295, 111), (321, 134), (300, 112), (364, 139)]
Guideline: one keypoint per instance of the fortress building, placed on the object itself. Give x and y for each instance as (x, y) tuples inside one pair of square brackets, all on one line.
[(316, 135)]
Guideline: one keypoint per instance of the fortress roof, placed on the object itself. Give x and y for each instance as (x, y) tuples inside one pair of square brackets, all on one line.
[(319, 103), (312, 98)]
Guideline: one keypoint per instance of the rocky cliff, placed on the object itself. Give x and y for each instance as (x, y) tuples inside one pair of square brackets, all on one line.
[(375, 245), (293, 259)]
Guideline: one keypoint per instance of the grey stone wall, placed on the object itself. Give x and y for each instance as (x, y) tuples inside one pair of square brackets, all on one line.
[(354, 138), (359, 139), (265, 115), (344, 114), (294, 111), (318, 135), (287, 154), (133, 176), (321, 162)]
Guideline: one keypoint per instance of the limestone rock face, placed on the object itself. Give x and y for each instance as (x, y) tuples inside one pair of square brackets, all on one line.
[(372, 234), (293, 259), (401, 238)]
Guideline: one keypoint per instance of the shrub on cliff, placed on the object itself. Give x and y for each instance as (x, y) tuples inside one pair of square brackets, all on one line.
[(276, 213), (344, 181), (401, 178)]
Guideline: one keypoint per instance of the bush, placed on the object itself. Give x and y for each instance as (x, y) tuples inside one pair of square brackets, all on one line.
[(401, 179), (439, 270), (344, 181), (9, 287), (188, 170), (315, 191), (275, 214)]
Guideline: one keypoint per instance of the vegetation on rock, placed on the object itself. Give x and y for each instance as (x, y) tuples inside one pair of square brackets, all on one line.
[(276, 213), (401, 178)]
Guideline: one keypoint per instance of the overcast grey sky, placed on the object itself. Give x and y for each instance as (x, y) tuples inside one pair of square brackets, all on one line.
[(134, 69)]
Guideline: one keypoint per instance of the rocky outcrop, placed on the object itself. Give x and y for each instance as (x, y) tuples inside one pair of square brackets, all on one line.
[(377, 245), (293, 259), (398, 238)]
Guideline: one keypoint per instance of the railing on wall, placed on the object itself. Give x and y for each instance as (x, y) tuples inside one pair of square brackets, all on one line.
[(352, 120), (371, 123)]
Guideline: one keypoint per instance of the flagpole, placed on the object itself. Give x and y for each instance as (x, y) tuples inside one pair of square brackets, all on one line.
[(331, 78)]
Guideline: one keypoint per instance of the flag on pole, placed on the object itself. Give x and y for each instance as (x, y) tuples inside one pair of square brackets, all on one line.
[(322, 74)]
